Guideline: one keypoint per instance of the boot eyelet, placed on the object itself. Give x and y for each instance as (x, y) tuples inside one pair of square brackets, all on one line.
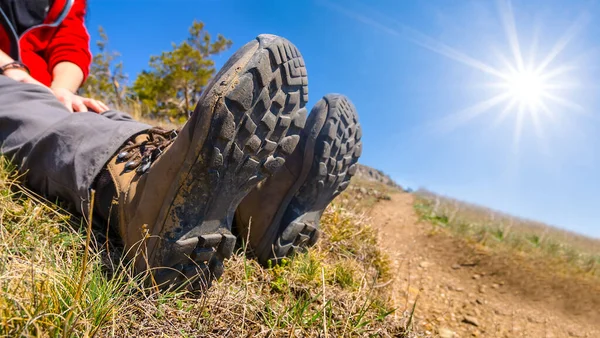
[(144, 167), (131, 165), (122, 155)]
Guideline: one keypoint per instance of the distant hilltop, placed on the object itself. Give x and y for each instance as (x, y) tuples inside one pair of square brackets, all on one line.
[(371, 174)]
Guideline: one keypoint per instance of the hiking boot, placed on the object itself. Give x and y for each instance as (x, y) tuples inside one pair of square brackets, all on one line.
[(281, 215), (177, 195)]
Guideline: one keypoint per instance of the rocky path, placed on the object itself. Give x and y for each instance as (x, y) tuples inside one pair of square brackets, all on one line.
[(460, 295)]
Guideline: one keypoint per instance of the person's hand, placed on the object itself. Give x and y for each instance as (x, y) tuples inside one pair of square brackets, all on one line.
[(21, 75), (76, 103)]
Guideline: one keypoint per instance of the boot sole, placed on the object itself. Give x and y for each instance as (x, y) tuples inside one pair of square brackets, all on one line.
[(256, 105), (332, 145)]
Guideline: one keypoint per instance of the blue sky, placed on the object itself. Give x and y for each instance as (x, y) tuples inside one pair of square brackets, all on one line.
[(432, 83)]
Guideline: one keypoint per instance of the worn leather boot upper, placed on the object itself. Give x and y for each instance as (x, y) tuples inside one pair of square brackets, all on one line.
[(258, 209), (140, 197)]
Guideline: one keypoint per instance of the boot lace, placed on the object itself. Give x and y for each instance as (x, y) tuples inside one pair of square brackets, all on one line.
[(141, 155)]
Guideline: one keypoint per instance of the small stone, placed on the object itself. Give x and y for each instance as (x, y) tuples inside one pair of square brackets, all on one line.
[(455, 288), (482, 288), (536, 320), (424, 264), (470, 320), (479, 301), (501, 312), (363, 191), (495, 286), (476, 276), (575, 334), (446, 333), (455, 266)]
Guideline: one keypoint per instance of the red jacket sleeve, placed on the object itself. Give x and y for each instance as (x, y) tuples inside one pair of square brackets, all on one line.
[(71, 42)]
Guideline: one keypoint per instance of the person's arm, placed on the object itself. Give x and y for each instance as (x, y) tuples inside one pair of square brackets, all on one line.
[(67, 75), (70, 48), (16, 74), (66, 79), (4, 58), (69, 58), (69, 99)]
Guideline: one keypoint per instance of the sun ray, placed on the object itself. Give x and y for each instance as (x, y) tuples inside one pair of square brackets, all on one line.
[(565, 103), (418, 38), (504, 113), (562, 42), (453, 121), (540, 134), (506, 12), (549, 114), (537, 128), (518, 128), (360, 17), (534, 45), (507, 65), (558, 71), (562, 85), (451, 53)]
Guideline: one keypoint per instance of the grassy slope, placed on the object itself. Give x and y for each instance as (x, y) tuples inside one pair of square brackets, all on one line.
[(50, 286), (557, 270), (561, 251)]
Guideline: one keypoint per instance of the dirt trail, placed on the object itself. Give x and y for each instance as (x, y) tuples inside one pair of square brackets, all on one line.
[(462, 292)]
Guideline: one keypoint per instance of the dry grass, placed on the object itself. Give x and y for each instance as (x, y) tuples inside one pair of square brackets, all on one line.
[(570, 252), (141, 113), (47, 288)]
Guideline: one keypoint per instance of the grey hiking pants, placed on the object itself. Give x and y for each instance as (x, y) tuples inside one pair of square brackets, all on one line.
[(60, 152)]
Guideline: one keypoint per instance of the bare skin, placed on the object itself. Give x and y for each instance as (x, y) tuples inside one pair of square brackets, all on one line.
[(67, 77)]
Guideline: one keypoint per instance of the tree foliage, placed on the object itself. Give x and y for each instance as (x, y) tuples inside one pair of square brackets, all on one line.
[(106, 81), (176, 78)]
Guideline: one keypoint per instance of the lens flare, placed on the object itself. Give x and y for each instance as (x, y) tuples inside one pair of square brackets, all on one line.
[(526, 87)]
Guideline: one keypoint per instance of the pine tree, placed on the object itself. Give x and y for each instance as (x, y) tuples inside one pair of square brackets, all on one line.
[(106, 81), (176, 78)]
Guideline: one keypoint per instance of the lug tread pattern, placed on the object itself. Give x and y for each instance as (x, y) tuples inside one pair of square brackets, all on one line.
[(255, 125), (337, 151)]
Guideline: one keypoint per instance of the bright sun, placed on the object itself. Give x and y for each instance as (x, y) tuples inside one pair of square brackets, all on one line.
[(529, 87), (526, 87)]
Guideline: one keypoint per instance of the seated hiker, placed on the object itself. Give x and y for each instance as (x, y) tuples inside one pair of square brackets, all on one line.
[(248, 162), (49, 46)]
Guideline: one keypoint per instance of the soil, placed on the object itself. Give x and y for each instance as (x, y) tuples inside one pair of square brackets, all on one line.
[(464, 290)]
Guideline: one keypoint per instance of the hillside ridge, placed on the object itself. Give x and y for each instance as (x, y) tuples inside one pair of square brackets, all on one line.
[(371, 174)]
